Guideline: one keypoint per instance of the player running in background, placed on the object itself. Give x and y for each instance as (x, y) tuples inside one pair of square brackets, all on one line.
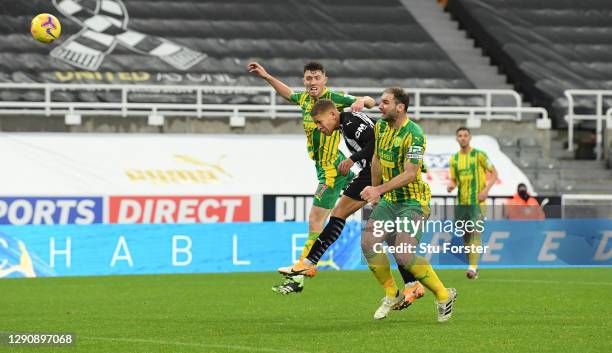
[(397, 162), (474, 175), (358, 132), (321, 148)]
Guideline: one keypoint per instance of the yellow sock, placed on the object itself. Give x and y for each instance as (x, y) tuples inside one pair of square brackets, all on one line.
[(473, 258), (308, 244), (422, 271), (381, 269)]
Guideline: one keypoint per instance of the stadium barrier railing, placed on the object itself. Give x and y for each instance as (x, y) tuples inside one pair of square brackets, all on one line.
[(599, 116), (482, 108), (586, 205)]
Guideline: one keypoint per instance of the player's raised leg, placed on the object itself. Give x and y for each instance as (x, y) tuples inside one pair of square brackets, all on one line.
[(420, 267), (295, 281), (307, 265), (324, 200), (379, 265)]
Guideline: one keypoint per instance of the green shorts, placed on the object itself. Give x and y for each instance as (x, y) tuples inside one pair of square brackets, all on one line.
[(470, 212), (386, 211), (325, 196)]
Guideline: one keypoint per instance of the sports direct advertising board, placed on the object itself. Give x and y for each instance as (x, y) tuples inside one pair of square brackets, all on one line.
[(89, 178)]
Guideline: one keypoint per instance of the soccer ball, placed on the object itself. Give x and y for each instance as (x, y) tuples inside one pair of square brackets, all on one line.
[(45, 28)]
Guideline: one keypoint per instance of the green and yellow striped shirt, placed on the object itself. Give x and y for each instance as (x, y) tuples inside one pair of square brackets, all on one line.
[(469, 170), (322, 149), (394, 147)]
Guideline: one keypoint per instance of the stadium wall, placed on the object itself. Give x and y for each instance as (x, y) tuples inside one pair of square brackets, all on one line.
[(186, 125)]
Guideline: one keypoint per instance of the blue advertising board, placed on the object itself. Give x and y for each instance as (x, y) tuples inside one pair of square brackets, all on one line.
[(113, 249), (51, 210)]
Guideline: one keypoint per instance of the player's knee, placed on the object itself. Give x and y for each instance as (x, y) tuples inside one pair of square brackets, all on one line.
[(317, 217), (366, 241), (340, 213)]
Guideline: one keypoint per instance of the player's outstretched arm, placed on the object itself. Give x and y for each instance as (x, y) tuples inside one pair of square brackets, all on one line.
[(372, 193), (279, 86), (360, 102), (404, 178)]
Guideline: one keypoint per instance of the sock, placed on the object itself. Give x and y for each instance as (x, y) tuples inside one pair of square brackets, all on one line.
[(381, 269), (406, 275), (308, 244), (422, 271), (328, 236), (473, 258)]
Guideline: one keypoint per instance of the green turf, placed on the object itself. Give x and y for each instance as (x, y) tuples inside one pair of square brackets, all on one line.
[(523, 310)]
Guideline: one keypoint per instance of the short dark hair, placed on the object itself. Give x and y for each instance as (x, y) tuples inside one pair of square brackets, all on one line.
[(314, 66), (463, 128), (400, 95), (321, 106)]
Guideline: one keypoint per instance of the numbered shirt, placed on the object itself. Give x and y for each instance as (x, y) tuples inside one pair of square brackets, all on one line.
[(469, 170), (395, 147)]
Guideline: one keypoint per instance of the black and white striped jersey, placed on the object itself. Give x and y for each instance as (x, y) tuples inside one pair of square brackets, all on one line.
[(358, 131)]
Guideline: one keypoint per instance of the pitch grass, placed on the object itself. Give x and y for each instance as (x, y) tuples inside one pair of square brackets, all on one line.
[(522, 310)]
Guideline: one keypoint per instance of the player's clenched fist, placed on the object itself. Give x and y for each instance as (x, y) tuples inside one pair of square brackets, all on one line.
[(345, 166), (371, 194), (257, 69)]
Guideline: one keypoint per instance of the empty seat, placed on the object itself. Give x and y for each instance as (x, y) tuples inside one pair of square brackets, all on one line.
[(359, 43), (545, 187), (530, 153), (565, 186), (544, 46), (526, 161), (527, 142), (511, 151), (547, 163), (506, 141), (552, 175)]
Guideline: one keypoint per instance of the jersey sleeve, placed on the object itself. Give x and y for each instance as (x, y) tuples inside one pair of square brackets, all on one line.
[(342, 100), (484, 161), (415, 150), (295, 97)]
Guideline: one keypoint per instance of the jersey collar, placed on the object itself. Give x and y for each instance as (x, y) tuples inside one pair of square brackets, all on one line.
[(468, 152), (403, 125), (323, 93)]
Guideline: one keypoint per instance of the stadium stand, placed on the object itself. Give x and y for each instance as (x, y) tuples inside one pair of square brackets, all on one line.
[(228, 34), (361, 45), (545, 46), (554, 175)]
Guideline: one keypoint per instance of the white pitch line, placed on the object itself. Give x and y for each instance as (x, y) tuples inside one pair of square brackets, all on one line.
[(546, 281), (187, 344)]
